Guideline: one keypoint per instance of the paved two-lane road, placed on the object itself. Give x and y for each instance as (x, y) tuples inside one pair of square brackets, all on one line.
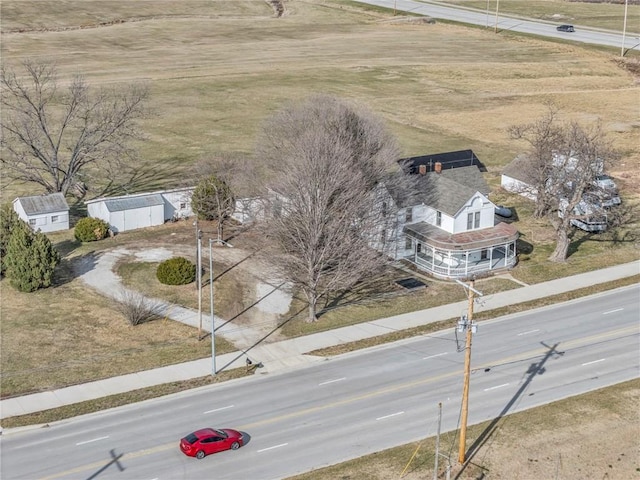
[(349, 406), (476, 17)]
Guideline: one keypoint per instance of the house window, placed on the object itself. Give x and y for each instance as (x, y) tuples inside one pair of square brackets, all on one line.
[(408, 244), (54, 218), (483, 254), (408, 215), (438, 219), (32, 222), (473, 220), (419, 247), (183, 206)]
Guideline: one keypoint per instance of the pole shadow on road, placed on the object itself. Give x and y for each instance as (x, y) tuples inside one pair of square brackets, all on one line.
[(535, 369), (114, 459)]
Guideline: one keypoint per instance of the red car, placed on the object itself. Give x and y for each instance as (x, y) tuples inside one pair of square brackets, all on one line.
[(209, 440)]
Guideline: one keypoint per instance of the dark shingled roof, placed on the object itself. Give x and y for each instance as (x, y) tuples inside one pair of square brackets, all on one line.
[(130, 203), (449, 190), (39, 204), (448, 160)]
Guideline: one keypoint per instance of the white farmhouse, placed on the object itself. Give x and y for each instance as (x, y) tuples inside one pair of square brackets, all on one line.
[(450, 230)]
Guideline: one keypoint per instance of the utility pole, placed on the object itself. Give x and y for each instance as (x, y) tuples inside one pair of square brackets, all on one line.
[(213, 327), (199, 278), (466, 324), (435, 468), (497, 7), (487, 16), (624, 26)]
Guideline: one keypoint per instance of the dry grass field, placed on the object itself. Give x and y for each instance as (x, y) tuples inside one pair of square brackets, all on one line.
[(218, 68)]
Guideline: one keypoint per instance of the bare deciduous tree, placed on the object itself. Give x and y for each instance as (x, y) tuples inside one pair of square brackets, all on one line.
[(578, 162), (324, 161), (564, 163), (52, 137), (543, 136)]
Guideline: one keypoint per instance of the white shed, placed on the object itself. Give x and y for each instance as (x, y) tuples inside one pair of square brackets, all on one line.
[(47, 213), (177, 203), (128, 212)]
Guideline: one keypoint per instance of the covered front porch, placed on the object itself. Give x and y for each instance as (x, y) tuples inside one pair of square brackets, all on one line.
[(462, 255)]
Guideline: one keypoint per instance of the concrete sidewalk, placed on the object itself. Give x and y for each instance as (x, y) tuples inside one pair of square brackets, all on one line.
[(292, 353)]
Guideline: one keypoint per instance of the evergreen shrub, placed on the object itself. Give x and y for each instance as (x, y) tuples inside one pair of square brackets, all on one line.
[(90, 229), (176, 271)]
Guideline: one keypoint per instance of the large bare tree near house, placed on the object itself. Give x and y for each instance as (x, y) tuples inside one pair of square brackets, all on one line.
[(324, 161), (543, 136), (565, 160), (60, 138)]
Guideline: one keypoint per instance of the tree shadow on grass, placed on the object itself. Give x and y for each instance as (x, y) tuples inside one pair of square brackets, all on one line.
[(371, 291), (70, 269), (533, 371), (146, 177)]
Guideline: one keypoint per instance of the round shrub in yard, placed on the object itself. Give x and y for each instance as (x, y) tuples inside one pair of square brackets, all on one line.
[(176, 271), (90, 229)]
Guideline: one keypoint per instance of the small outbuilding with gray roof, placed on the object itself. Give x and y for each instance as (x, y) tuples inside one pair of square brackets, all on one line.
[(47, 213), (130, 212)]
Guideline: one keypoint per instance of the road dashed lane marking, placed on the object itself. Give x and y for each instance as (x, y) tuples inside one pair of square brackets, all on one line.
[(91, 441), (332, 381), (434, 356), (528, 332), (271, 448), (389, 416), (575, 343), (613, 311), (595, 361), (218, 409), (497, 386)]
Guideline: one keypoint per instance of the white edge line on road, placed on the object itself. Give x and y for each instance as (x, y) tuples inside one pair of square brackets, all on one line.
[(433, 356), (595, 361), (529, 331), (93, 440), (271, 448), (613, 311), (332, 381), (218, 409), (388, 416), (497, 386)]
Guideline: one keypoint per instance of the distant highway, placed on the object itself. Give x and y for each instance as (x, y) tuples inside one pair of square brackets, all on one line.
[(533, 27), (349, 406)]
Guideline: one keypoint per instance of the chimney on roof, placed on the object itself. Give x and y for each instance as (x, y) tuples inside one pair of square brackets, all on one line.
[(438, 167), (422, 169)]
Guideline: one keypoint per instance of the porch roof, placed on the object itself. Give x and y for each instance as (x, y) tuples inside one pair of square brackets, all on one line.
[(471, 240)]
